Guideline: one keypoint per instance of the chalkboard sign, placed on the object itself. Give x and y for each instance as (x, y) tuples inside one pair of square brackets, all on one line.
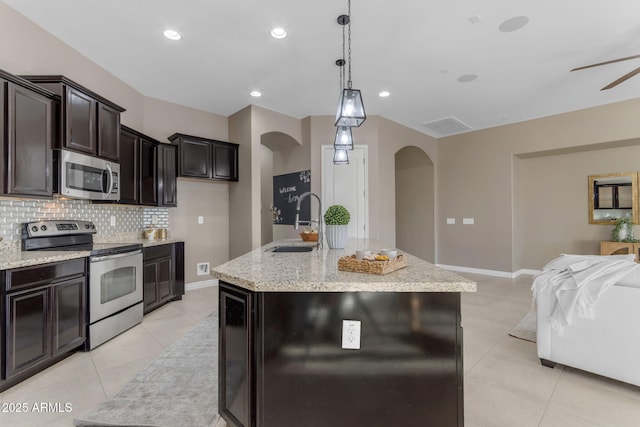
[(287, 189)]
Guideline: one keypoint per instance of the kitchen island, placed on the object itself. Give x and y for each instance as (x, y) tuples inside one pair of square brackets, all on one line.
[(288, 358)]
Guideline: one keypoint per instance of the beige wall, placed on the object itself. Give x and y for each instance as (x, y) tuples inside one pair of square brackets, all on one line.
[(207, 242), (555, 209), (28, 49), (479, 175), (247, 128), (414, 203), (31, 50)]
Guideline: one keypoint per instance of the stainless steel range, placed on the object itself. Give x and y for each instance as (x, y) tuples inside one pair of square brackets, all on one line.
[(115, 274)]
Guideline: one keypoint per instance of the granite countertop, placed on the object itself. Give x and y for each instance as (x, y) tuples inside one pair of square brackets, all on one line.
[(262, 270), (13, 257)]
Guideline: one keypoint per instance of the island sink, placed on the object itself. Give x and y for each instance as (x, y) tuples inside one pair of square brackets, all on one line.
[(292, 249)]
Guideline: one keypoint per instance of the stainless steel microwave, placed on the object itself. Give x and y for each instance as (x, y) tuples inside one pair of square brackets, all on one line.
[(85, 177)]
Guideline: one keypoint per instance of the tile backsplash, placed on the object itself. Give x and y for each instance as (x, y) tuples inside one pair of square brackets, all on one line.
[(128, 219)]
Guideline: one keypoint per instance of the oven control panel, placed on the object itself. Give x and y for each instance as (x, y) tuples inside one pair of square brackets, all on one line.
[(54, 228)]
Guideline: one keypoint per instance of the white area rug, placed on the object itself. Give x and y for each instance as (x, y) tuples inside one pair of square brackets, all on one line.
[(526, 329), (179, 388)]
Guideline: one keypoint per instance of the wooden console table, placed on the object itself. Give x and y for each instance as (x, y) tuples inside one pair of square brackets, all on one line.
[(620, 248)]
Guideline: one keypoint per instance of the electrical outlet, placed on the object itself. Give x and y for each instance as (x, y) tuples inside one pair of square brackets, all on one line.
[(468, 221), (451, 221), (154, 219), (202, 268), (351, 334), (113, 220), (201, 220)]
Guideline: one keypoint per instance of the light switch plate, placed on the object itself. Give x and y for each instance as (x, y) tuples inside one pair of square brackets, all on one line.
[(201, 220), (451, 220), (468, 221), (351, 334)]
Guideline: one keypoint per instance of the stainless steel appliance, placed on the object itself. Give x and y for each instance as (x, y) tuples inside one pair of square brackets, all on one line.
[(115, 274), (85, 177)]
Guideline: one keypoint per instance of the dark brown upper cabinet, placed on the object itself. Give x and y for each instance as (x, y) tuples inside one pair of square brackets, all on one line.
[(167, 175), (224, 161), (88, 123), (206, 158), (129, 167), (147, 170), (27, 115)]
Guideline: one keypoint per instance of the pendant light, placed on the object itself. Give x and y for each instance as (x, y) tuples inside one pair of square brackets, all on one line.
[(350, 111), (340, 157), (344, 139)]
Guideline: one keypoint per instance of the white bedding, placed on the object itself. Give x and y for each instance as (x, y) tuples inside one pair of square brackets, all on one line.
[(578, 280)]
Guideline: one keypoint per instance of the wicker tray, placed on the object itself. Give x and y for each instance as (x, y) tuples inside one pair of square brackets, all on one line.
[(351, 263), (309, 237)]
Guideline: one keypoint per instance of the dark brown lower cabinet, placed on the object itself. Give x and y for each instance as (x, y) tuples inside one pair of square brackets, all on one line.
[(162, 274), (44, 317), (28, 331), (281, 362)]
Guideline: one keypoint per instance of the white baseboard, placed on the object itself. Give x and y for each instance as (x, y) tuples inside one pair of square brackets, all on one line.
[(485, 272), (200, 285)]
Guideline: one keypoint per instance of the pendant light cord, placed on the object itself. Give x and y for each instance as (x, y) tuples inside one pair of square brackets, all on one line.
[(349, 44)]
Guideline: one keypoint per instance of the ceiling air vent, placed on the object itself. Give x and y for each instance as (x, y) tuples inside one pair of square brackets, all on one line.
[(447, 126)]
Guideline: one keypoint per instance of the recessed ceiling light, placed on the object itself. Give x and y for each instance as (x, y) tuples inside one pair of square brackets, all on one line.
[(172, 34), (467, 78), (513, 24), (384, 94), (278, 33), (255, 93)]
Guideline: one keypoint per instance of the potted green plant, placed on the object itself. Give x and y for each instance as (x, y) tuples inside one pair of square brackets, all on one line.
[(336, 219), (623, 231)]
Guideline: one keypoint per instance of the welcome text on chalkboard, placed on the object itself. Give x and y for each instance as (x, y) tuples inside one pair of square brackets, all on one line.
[(287, 189)]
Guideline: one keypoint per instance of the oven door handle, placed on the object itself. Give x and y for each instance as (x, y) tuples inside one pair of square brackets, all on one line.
[(116, 256)]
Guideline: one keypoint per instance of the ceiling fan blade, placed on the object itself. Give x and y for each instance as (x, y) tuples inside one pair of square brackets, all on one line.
[(607, 62), (622, 79)]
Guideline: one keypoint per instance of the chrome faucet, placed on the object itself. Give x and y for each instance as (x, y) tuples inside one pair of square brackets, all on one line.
[(297, 223)]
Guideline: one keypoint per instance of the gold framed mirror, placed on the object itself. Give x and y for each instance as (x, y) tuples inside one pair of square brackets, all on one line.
[(613, 196)]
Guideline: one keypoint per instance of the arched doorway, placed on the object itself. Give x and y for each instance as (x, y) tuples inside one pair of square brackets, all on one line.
[(277, 156), (415, 203)]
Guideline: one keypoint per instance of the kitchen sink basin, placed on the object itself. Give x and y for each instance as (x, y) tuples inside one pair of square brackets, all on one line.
[(292, 249)]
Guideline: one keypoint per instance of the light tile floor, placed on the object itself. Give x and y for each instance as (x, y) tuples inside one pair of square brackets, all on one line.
[(505, 385), (86, 379)]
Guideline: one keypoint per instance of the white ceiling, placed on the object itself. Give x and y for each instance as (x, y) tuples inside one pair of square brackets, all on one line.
[(401, 46)]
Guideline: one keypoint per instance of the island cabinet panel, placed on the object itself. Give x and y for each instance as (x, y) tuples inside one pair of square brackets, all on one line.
[(235, 362), (282, 361)]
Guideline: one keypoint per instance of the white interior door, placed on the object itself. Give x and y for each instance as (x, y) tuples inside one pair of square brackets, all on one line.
[(346, 185)]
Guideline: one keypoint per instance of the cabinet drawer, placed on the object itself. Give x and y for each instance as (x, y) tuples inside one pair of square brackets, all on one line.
[(159, 251), (24, 277)]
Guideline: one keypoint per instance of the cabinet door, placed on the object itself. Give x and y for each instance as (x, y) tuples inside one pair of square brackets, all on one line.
[(80, 114), (234, 365), (29, 143), (150, 284), (167, 173), (28, 330), (148, 173), (129, 168), (195, 158), (108, 133), (165, 279), (225, 161), (68, 314)]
